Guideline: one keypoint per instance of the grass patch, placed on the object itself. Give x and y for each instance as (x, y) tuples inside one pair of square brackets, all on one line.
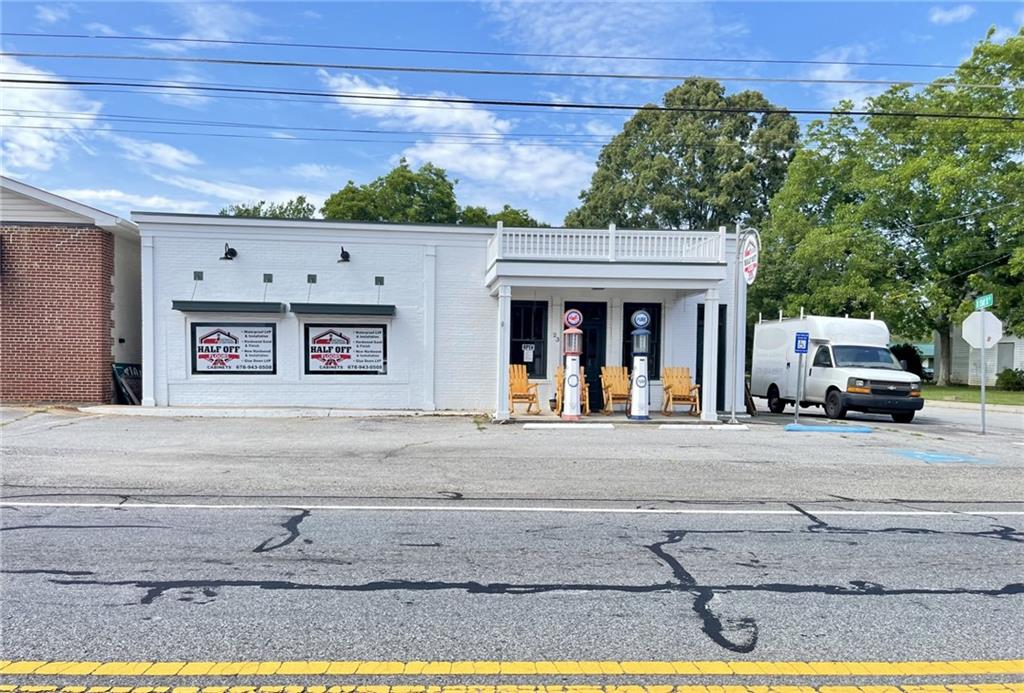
[(965, 393)]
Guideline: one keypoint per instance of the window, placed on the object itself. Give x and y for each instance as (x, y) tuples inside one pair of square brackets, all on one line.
[(529, 328), (654, 359), (822, 358)]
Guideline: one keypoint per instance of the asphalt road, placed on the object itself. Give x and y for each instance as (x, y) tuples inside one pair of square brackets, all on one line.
[(421, 540)]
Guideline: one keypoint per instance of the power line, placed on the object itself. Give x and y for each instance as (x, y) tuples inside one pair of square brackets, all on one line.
[(488, 72), (506, 54), (291, 138), (542, 104), (963, 216)]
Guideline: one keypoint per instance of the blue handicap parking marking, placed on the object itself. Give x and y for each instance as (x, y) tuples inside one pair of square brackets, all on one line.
[(941, 457), (826, 428)]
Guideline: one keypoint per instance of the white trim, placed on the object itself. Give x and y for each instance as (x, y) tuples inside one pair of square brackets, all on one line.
[(97, 217), (148, 324)]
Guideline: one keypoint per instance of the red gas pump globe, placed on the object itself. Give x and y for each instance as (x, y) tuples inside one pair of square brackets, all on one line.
[(572, 337)]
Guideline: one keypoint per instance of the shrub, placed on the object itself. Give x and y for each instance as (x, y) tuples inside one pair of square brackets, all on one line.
[(1011, 379)]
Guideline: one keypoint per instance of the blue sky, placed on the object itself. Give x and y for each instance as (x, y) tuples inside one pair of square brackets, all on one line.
[(537, 159)]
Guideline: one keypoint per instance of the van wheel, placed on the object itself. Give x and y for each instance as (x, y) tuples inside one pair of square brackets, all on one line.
[(903, 417), (834, 408), (775, 403)]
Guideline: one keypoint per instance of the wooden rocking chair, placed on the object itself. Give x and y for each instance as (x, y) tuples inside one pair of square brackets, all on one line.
[(679, 389), (615, 387), (521, 390), (560, 391)]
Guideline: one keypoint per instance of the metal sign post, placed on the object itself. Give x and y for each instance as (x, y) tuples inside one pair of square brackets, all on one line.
[(801, 345), (978, 330), (748, 249)]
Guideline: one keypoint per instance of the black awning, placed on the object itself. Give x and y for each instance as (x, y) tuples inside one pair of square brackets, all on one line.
[(227, 307), (343, 309)]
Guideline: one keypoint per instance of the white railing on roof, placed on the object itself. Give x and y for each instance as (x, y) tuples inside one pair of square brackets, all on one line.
[(606, 245)]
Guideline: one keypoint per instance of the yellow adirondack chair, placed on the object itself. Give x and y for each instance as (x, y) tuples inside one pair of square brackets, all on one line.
[(520, 389), (560, 391), (615, 387), (679, 389)]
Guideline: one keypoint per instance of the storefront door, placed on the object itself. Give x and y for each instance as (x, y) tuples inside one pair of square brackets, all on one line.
[(595, 332)]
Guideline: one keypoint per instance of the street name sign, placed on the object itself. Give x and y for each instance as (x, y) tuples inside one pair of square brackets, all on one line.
[(983, 302), (981, 323)]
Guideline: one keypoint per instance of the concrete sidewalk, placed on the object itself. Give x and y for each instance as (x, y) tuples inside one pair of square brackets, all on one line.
[(262, 412)]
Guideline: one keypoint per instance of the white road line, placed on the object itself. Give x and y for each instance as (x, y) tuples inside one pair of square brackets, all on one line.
[(508, 509)]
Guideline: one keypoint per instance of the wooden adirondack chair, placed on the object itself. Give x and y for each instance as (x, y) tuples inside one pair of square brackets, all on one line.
[(521, 390), (560, 391), (679, 389), (615, 387)]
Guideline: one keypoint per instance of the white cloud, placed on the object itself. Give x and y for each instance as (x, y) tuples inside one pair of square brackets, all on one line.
[(311, 14), (1019, 18), (52, 14), (101, 29), (836, 92), (231, 191), (411, 113), (515, 172), (316, 172), (601, 128), (26, 147), (952, 15), (187, 98), (114, 200), (155, 153), (204, 20)]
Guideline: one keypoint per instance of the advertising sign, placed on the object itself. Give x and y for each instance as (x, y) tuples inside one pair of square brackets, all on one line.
[(346, 349), (748, 257), (234, 347)]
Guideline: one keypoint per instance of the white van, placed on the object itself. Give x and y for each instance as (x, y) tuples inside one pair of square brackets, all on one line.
[(848, 367)]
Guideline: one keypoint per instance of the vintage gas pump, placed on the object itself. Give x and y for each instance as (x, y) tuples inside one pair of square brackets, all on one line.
[(638, 406), (572, 347)]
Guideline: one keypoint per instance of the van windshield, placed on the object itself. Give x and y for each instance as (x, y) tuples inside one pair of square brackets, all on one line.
[(865, 357)]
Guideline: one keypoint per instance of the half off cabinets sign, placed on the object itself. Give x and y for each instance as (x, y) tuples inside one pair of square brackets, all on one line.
[(234, 347), (346, 349)]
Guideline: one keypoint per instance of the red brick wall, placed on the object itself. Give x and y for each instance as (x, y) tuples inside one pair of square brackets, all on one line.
[(55, 303)]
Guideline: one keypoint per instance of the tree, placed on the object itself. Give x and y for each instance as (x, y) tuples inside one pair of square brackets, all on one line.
[(299, 208), (508, 215), (400, 196), (700, 169), (927, 211)]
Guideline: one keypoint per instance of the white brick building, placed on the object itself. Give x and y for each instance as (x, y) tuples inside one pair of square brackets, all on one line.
[(428, 316)]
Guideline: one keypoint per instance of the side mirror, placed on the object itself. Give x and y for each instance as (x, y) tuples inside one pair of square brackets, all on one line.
[(903, 364)]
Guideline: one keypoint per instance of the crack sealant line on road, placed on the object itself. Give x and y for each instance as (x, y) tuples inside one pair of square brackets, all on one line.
[(783, 669), (528, 688), (513, 509)]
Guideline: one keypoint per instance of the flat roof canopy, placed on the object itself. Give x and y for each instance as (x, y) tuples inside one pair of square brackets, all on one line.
[(227, 307), (375, 309)]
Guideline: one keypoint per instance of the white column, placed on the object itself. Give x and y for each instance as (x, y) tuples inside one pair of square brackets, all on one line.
[(501, 412), (148, 325), (429, 325), (709, 386)]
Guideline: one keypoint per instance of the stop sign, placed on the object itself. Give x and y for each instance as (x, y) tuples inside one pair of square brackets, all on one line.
[(972, 329)]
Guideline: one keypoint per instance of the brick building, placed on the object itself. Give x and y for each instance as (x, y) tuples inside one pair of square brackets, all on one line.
[(69, 297)]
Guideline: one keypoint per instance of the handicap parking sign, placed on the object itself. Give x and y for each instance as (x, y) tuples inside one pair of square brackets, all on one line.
[(802, 341)]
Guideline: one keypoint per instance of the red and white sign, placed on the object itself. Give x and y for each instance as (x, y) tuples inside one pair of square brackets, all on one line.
[(749, 253), (234, 348), (573, 318), (346, 349)]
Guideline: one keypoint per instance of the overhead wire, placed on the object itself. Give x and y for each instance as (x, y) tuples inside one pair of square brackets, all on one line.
[(362, 96), (488, 72), (466, 52)]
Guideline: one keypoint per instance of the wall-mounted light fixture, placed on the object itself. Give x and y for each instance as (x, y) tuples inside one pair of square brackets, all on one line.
[(345, 255), (229, 253)]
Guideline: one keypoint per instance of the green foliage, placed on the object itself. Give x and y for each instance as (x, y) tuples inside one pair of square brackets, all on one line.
[(1011, 379), (671, 169), (907, 217), (424, 196), (508, 215), (298, 208)]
